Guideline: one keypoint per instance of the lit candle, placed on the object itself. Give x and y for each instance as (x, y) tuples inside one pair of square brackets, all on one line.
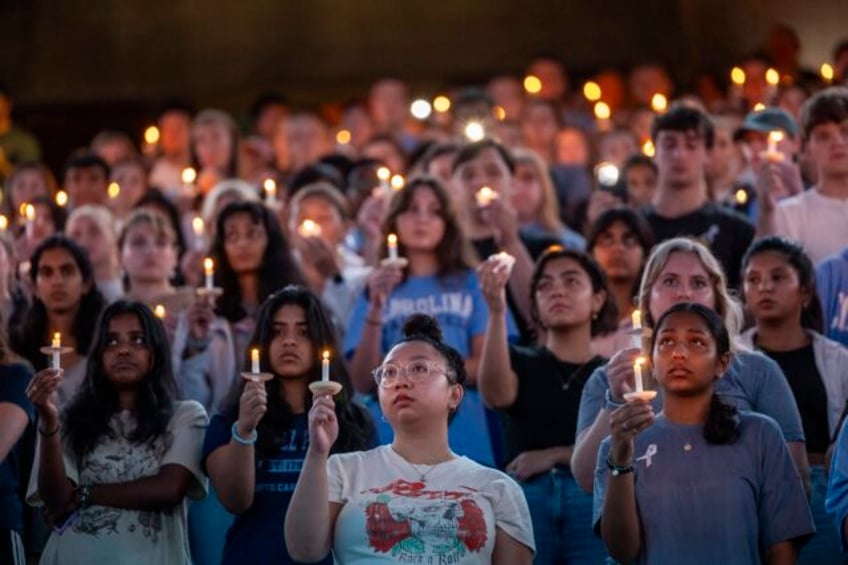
[(197, 228), (270, 188), (29, 212), (648, 149), (151, 138), (474, 131), (325, 366), (309, 229), (636, 319), (209, 271), (602, 115), (384, 174), (659, 103), (392, 244), (772, 153), (637, 374), (741, 197), (592, 91), (772, 79), (398, 182), (113, 190), (56, 346), (4, 222), (159, 311), (61, 199), (532, 84), (188, 177), (826, 71), (441, 104), (485, 196), (343, 137), (254, 361)]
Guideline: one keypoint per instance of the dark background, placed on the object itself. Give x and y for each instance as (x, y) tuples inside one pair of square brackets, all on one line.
[(77, 67)]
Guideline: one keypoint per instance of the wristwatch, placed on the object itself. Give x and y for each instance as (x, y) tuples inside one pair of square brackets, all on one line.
[(617, 470)]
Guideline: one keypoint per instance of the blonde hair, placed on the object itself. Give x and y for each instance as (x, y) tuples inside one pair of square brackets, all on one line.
[(100, 215), (160, 224), (548, 213), (726, 305)]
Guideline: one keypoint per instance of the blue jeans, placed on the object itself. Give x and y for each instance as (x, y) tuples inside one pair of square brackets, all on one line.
[(562, 520), (824, 546)]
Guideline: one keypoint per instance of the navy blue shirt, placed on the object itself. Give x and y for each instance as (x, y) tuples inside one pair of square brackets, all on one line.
[(13, 382), (256, 536)]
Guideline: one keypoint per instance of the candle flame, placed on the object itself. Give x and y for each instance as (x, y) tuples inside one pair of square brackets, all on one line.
[(383, 173), (197, 226), (270, 186), (826, 71), (159, 311), (532, 84), (441, 104), (398, 182), (500, 113), (759, 106), (309, 229), (776, 136), (602, 111), (208, 266), (741, 196), (61, 198), (4, 222), (772, 77), (57, 340), (485, 195), (648, 148), (343, 137), (639, 361), (737, 76), (659, 102), (592, 91), (151, 135), (326, 355), (29, 212), (113, 190), (392, 240), (188, 175), (474, 131)]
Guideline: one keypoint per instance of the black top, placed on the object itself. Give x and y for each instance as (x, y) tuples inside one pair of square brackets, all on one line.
[(799, 366), (13, 469), (544, 413), (535, 245), (727, 233)]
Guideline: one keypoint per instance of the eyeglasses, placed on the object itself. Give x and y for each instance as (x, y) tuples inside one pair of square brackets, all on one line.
[(416, 371)]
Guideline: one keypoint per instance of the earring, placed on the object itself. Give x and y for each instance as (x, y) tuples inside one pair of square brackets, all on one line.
[(594, 315)]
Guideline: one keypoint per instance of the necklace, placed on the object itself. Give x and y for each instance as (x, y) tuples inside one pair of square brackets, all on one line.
[(422, 475), (578, 375)]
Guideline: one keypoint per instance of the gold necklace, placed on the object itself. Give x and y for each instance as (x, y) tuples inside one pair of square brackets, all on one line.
[(422, 476)]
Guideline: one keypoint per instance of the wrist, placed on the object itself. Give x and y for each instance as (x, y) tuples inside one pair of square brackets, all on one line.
[(616, 469), (611, 402), (243, 436)]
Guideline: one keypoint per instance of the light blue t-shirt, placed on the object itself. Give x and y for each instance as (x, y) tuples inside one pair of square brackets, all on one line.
[(458, 305), (832, 283), (702, 503), (752, 382), (836, 502)]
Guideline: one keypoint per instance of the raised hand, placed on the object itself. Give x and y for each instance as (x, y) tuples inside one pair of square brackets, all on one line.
[(252, 406), (323, 424), (42, 391), (493, 278)]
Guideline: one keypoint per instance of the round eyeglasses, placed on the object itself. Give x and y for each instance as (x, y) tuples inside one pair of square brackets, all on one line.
[(387, 375)]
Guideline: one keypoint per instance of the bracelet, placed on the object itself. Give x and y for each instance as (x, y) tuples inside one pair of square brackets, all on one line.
[(609, 403), (249, 441), (618, 470), (84, 496), (42, 433)]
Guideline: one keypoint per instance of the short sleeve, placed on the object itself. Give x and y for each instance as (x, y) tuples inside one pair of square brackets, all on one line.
[(187, 427), (13, 382), (356, 325), (512, 515), (774, 398), (33, 497), (600, 486), (335, 480), (784, 512), (592, 399), (836, 502)]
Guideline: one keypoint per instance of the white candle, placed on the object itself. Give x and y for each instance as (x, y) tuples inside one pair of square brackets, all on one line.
[(151, 139), (325, 367), (29, 212), (197, 228), (270, 188), (254, 361), (773, 154), (636, 320), (392, 244), (4, 222), (384, 174), (56, 346), (637, 371), (209, 271), (398, 182), (159, 311), (188, 177)]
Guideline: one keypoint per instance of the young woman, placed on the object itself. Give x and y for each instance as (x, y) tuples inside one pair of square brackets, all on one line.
[(16, 413), (415, 500), (214, 148), (700, 482), (252, 260), (114, 470), (620, 240), (535, 201), (684, 270), (93, 227), (538, 388), (438, 281), (780, 292), (65, 300), (131, 177), (27, 182), (255, 448)]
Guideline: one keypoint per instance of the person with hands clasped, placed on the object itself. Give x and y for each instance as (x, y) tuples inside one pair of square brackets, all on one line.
[(114, 469), (537, 388), (414, 500), (255, 447), (699, 482)]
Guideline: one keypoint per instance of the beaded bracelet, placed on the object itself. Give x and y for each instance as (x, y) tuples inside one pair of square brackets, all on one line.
[(249, 441)]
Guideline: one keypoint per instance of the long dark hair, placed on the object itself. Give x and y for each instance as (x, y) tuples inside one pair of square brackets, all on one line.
[(277, 269), (722, 425), (355, 426), (793, 253), (453, 252), (86, 418), (34, 333)]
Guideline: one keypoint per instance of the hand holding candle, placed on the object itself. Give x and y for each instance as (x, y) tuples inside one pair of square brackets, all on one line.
[(197, 228), (254, 361), (773, 154), (392, 244), (56, 350), (485, 196), (209, 271), (639, 392), (325, 366), (325, 385), (270, 188)]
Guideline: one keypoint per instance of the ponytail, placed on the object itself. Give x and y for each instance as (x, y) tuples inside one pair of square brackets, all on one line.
[(722, 426)]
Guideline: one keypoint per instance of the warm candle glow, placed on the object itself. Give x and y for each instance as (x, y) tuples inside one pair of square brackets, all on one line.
[(659, 102), (441, 104), (759, 106), (500, 113), (648, 148), (737, 76), (151, 135), (826, 71), (61, 199), (592, 91), (343, 137), (776, 136), (772, 77), (270, 187), (29, 212), (197, 226), (398, 182), (325, 366), (485, 196), (254, 360), (532, 84), (383, 173), (474, 131), (636, 319), (159, 311), (4, 222), (741, 196), (113, 190), (188, 175), (208, 266), (392, 245), (420, 109), (602, 111), (309, 229), (57, 341)]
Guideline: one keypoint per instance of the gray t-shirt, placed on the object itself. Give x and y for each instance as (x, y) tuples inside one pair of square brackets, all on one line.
[(702, 503), (752, 382)]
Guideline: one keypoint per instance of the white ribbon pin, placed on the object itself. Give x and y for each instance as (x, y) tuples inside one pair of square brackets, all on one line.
[(649, 453)]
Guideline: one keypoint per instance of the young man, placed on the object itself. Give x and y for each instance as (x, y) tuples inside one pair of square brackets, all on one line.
[(818, 218), (681, 205), (86, 179)]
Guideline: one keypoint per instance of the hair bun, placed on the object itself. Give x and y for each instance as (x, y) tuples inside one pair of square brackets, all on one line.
[(422, 324)]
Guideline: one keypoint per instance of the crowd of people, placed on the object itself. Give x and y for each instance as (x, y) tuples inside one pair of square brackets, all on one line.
[(565, 326)]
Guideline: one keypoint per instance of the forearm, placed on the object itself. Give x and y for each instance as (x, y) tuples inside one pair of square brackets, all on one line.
[(495, 379), (54, 487), (307, 524), (519, 280), (232, 470), (585, 453), (161, 491), (782, 553), (366, 356), (765, 221), (620, 519)]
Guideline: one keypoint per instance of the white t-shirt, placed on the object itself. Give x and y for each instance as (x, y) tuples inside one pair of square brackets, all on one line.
[(819, 222), (101, 534), (391, 515)]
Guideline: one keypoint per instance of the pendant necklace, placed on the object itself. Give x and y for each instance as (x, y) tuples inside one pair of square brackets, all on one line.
[(422, 475)]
